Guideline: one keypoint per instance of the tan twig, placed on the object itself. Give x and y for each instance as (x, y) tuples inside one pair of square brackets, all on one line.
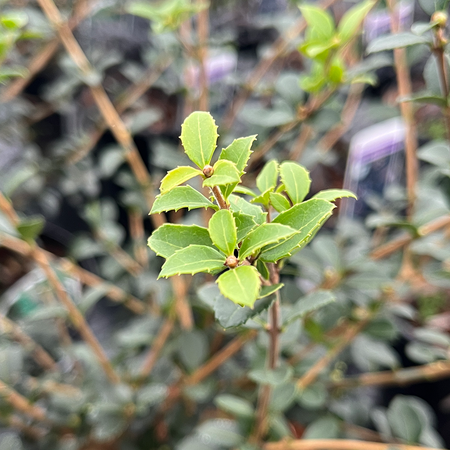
[(220, 357), (337, 444), (21, 404), (124, 102), (75, 315), (7, 326), (137, 232), (182, 308), (113, 292), (157, 346), (406, 108), (402, 377), (311, 375), (391, 247), (45, 55), (300, 143)]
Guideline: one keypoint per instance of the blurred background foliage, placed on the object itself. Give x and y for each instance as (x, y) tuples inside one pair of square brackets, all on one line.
[(95, 353)]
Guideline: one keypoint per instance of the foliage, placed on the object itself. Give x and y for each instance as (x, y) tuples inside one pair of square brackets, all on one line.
[(294, 309)]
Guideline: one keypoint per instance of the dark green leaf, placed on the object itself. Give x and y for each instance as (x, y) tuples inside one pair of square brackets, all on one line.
[(392, 41), (234, 405), (309, 303), (273, 377)]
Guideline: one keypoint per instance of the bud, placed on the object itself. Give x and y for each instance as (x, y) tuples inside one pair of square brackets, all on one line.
[(440, 18), (231, 262), (208, 171)]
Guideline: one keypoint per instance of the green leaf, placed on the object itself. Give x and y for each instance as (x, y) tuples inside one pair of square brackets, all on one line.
[(239, 152), (244, 224), (265, 234), (327, 427), (178, 176), (393, 41), (436, 152), (352, 20), (225, 172), (13, 19), (230, 315), (244, 190), (319, 21), (169, 238), (192, 348), (238, 204), (404, 419), (222, 230), (263, 270), (307, 218), (332, 194), (193, 259), (425, 97), (267, 178), (431, 74), (235, 406), (199, 137), (180, 197), (30, 228), (273, 377), (296, 181), (309, 303), (240, 285), (269, 290), (264, 198)]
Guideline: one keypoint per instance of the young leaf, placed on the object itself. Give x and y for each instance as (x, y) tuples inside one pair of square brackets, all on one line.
[(262, 269), (318, 20), (30, 228), (244, 190), (222, 230), (269, 290), (180, 197), (199, 137), (352, 19), (170, 238), (193, 259), (264, 198), (239, 152), (332, 194), (225, 172), (296, 181), (279, 201), (307, 218), (244, 224), (392, 41), (238, 204), (265, 234), (267, 178), (240, 285), (178, 176)]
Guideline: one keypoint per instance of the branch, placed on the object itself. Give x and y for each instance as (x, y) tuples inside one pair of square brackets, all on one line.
[(406, 108), (402, 377), (338, 444)]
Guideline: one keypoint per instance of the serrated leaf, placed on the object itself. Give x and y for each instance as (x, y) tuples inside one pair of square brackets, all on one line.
[(225, 172), (333, 194), (296, 181), (169, 238), (264, 198), (199, 137), (267, 178), (244, 224), (307, 218), (30, 228), (318, 20), (180, 197), (279, 201), (193, 259), (269, 290), (239, 152), (178, 176), (240, 285), (352, 19), (265, 234), (238, 204), (222, 230), (393, 41), (309, 303)]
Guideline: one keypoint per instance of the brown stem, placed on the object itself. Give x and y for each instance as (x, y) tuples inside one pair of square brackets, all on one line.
[(402, 377), (406, 108), (337, 444), (219, 197)]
